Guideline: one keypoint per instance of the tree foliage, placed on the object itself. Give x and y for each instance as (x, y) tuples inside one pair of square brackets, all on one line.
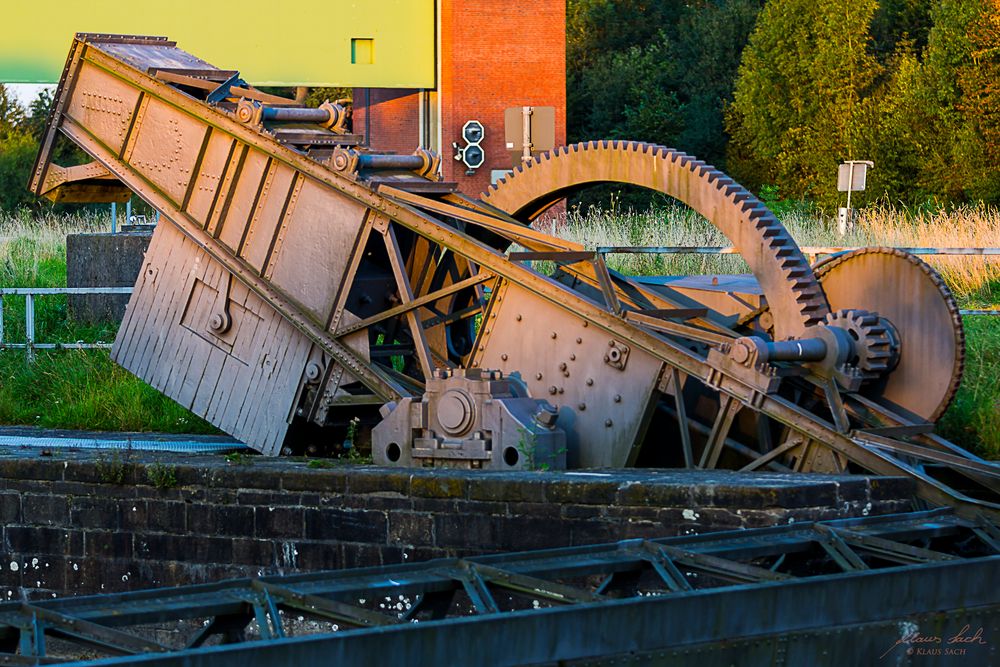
[(908, 84), (801, 99), (655, 71)]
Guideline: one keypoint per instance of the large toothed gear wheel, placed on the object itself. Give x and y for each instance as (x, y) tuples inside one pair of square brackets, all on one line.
[(793, 294), (912, 296), (876, 344)]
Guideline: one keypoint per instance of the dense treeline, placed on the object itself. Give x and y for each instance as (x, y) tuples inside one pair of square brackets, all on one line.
[(20, 131), (778, 92)]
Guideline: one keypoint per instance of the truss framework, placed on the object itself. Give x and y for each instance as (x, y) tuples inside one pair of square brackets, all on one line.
[(831, 573)]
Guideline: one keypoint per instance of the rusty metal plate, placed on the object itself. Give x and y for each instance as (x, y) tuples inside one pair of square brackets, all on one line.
[(103, 104), (604, 388), (913, 297)]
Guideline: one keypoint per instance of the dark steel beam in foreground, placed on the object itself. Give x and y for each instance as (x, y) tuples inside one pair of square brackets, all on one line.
[(829, 620), (800, 590)]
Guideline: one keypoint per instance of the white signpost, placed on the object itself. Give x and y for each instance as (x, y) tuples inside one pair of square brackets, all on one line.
[(851, 177)]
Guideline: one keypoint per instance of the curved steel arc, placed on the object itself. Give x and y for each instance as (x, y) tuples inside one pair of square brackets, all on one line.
[(791, 289)]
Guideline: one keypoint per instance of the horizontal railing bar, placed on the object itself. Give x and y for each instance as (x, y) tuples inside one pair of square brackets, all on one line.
[(807, 250), (65, 290), (55, 346)]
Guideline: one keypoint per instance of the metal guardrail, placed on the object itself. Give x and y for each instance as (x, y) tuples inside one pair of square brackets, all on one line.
[(811, 253), (29, 293), (856, 605)]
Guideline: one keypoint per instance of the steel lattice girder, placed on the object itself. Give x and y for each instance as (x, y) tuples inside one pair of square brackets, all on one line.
[(737, 588)]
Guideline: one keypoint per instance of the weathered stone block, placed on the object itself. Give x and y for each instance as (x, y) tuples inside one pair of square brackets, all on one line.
[(278, 522), (48, 510), (411, 528), (428, 485), (107, 544), (10, 508), (474, 531), (38, 540), (166, 516), (253, 552), (319, 556), (103, 260), (91, 512), (586, 492), (220, 520), (346, 525)]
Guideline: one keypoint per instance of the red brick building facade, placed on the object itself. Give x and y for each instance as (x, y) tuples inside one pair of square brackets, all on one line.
[(491, 55)]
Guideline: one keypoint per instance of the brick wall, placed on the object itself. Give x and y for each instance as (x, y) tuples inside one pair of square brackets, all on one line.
[(67, 529), (389, 119), (494, 55)]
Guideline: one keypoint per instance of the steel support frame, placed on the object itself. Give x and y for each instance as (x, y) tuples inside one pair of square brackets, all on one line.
[(865, 606), (409, 216)]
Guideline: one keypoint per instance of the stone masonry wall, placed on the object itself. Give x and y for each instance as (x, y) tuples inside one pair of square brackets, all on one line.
[(83, 523)]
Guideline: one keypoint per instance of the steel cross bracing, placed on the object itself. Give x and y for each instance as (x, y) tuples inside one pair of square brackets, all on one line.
[(449, 228), (787, 586)]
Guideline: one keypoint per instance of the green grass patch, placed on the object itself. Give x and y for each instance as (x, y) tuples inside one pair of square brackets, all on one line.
[(76, 389), (973, 420), (84, 389)]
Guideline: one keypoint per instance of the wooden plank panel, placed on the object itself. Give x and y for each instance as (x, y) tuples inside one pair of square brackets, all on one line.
[(317, 238), (176, 355), (188, 262), (269, 426), (136, 311), (154, 302), (267, 215), (235, 370), (260, 375), (197, 348)]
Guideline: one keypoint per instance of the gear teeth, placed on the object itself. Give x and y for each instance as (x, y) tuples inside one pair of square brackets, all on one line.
[(803, 302)]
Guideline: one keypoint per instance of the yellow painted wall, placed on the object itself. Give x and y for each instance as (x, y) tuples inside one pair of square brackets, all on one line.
[(281, 42)]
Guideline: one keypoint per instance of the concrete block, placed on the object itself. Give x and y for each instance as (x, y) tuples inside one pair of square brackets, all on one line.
[(103, 260)]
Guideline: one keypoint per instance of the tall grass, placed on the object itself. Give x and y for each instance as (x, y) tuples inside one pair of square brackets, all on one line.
[(80, 389), (974, 278)]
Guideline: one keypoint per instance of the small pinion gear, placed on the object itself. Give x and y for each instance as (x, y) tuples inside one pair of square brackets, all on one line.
[(876, 349)]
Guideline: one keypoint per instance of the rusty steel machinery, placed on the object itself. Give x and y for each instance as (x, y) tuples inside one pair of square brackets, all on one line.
[(301, 283)]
